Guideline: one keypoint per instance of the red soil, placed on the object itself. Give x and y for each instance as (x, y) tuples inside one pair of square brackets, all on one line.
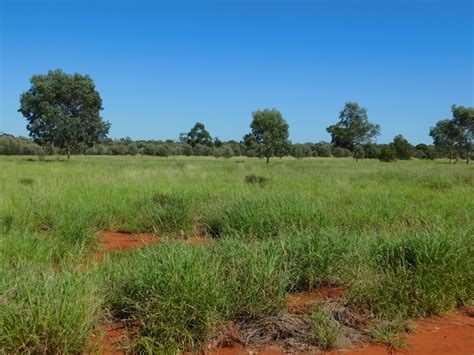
[(452, 334), (110, 241), (301, 302), (109, 343)]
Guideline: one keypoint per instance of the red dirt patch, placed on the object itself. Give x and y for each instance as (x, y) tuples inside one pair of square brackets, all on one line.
[(301, 302), (452, 334), (110, 241), (109, 344)]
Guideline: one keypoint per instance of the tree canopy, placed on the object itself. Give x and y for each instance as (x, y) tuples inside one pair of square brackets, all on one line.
[(353, 127), (403, 149), (455, 135), (446, 135), (198, 135), (464, 119), (270, 133), (63, 110)]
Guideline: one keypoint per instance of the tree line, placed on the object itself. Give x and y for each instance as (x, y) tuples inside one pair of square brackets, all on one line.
[(63, 115)]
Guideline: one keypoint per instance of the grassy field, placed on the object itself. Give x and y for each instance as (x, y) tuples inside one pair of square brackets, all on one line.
[(399, 236)]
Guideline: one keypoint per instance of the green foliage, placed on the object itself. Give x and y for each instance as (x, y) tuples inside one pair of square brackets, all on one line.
[(405, 277), (353, 127), (325, 329), (388, 153), (446, 136), (10, 145), (47, 311), (63, 110), (339, 152), (371, 151), (359, 152), (270, 133), (175, 291), (390, 332), (198, 135), (403, 149), (399, 237), (463, 117)]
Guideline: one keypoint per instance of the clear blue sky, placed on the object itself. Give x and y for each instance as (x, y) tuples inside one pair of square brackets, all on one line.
[(162, 66)]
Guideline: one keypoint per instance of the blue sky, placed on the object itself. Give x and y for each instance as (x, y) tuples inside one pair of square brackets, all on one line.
[(161, 66)]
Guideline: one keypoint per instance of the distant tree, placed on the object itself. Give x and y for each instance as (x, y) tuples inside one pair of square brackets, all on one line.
[(217, 142), (464, 119), (358, 152), (371, 151), (324, 150), (403, 149), (227, 152), (163, 150), (270, 132), (187, 150), (197, 135), (202, 150), (250, 145), (339, 152), (447, 137), (353, 128), (63, 110), (388, 153), (298, 151), (236, 148)]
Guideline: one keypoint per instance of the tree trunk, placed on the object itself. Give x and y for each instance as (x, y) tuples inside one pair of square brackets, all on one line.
[(68, 152), (268, 160)]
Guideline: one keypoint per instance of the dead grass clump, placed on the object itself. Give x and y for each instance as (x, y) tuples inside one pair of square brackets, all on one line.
[(287, 328), (325, 326)]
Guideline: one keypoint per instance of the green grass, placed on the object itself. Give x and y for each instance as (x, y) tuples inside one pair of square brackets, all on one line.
[(400, 236)]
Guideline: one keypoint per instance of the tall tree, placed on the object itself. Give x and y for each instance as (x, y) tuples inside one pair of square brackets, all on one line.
[(403, 149), (198, 135), (270, 132), (464, 118), (63, 110), (353, 128), (447, 135)]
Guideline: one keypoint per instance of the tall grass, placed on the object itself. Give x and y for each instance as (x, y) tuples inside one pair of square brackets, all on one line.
[(399, 236)]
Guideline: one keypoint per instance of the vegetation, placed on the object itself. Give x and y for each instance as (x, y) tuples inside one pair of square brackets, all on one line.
[(270, 133), (353, 129), (197, 135), (399, 237), (63, 110), (456, 134)]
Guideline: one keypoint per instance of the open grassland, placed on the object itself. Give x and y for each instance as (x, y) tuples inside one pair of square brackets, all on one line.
[(399, 237)]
